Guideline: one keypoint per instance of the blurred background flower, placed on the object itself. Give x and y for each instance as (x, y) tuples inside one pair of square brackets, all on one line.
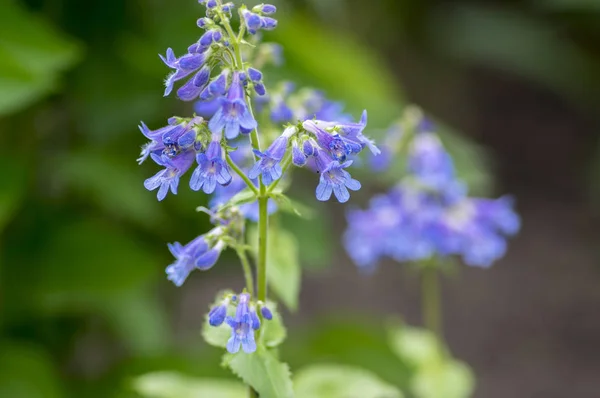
[(84, 302)]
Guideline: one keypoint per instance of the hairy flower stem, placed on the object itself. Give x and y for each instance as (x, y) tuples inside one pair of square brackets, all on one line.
[(432, 316), (263, 215), (240, 173), (261, 271), (247, 270)]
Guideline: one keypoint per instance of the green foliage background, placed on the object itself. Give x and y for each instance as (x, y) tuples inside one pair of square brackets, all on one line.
[(84, 305)]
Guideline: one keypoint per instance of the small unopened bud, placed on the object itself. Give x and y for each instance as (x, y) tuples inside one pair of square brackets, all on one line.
[(266, 313)]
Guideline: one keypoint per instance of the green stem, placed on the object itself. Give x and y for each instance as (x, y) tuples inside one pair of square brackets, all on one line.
[(261, 266), (263, 216), (247, 270), (239, 172), (261, 194), (432, 316)]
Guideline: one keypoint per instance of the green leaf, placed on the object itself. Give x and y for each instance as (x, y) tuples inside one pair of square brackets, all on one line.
[(435, 373), (173, 385), (516, 42), (350, 67), (139, 319), (87, 262), (27, 372), (273, 332), (111, 185), (284, 271), (337, 381), (313, 235), (14, 185), (416, 346), (261, 370), (446, 379), (589, 6), (33, 54)]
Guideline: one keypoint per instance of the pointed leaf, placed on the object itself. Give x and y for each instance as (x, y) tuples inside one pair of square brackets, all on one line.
[(173, 385), (447, 379), (337, 381), (261, 370)]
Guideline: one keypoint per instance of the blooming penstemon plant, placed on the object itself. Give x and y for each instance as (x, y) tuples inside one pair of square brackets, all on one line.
[(241, 146), (240, 163), (428, 217)]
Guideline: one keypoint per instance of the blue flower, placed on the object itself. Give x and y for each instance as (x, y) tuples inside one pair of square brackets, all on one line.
[(267, 23), (298, 156), (168, 178), (233, 115), (498, 214), (255, 22), (351, 133), (281, 113), (337, 180), (196, 254), (184, 67), (269, 163), (217, 314), (337, 146), (212, 169), (255, 75), (155, 145), (266, 313), (243, 326), (428, 214), (268, 9), (429, 161)]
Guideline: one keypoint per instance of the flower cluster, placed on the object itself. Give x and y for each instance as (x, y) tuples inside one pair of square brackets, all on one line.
[(429, 214), (243, 323), (201, 253), (221, 145)]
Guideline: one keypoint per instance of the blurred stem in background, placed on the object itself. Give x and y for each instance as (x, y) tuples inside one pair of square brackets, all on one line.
[(430, 300)]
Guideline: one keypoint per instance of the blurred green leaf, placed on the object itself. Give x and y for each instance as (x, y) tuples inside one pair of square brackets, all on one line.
[(513, 41), (115, 100), (568, 5), (435, 374), (111, 185), (416, 346), (273, 332), (32, 54), (261, 370), (27, 372), (282, 261), (216, 335), (87, 262), (446, 379), (139, 319), (324, 57), (337, 381), (14, 185), (313, 236), (173, 385), (361, 343)]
